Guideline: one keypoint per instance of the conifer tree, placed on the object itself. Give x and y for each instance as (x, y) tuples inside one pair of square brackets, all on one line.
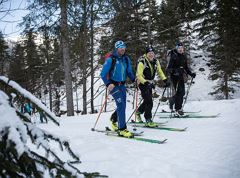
[(169, 29), (218, 32), (17, 67), (129, 23), (4, 55), (17, 132), (32, 61)]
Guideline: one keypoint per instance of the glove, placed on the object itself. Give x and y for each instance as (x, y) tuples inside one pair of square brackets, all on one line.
[(110, 87), (193, 75), (149, 85), (166, 83)]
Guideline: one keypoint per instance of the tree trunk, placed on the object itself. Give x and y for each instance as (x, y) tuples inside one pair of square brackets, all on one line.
[(50, 92), (84, 58), (149, 22), (47, 46), (92, 70), (1, 66), (77, 100), (226, 93), (66, 57)]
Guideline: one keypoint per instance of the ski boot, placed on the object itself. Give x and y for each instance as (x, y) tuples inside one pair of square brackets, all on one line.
[(114, 126), (125, 133), (179, 113), (113, 120), (150, 123), (138, 117)]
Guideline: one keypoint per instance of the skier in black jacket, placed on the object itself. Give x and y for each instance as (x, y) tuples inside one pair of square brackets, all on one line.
[(176, 68)]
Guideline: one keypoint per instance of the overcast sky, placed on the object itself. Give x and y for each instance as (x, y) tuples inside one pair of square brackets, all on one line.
[(9, 21)]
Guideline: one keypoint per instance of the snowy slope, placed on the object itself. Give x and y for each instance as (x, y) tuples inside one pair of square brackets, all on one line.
[(202, 85), (209, 148)]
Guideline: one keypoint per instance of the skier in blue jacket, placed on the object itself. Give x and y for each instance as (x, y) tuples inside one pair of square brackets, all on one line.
[(114, 73)]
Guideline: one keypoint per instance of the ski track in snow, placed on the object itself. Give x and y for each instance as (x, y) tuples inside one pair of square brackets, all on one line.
[(209, 148)]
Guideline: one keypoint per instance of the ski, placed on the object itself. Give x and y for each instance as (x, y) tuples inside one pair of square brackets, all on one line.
[(187, 116), (164, 111), (164, 128), (109, 131), (138, 138), (141, 123), (113, 133), (170, 116)]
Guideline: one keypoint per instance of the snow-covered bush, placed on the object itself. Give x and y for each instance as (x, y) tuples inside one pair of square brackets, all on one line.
[(25, 149)]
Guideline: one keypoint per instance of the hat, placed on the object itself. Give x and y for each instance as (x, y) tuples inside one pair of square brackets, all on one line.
[(178, 44), (120, 44), (149, 49)]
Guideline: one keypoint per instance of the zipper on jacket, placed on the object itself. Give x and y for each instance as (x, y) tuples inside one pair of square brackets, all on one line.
[(150, 66), (122, 69)]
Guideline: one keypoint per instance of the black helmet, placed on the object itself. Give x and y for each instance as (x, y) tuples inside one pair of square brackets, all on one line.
[(178, 44), (149, 49)]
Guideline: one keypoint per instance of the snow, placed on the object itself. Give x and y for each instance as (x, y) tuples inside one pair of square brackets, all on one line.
[(209, 148), (9, 119), (28, 95)]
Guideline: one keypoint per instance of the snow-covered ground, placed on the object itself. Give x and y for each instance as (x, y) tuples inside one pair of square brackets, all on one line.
[(209, 148)]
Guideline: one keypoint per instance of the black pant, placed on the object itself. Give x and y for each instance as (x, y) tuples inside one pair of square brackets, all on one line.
[(178, 84), (114, 116), (147, 104)]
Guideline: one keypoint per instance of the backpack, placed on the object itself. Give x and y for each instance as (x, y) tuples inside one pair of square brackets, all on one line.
[(169, 55), (110, 54), (143, 60)]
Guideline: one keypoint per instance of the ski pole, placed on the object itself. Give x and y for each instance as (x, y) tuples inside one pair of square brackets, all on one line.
[(134, 96), (136, 102), (134, 111), (105, 101), (134, 127), (188, 92), (159, 102), (95, 96)]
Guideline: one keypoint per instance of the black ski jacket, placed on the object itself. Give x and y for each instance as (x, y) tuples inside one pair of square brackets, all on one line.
[(177, 64)]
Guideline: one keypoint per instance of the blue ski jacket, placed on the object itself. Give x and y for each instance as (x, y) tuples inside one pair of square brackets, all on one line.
[(120, 71)]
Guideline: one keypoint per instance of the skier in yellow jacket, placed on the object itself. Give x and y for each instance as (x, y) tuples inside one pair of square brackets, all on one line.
[(146, 70)]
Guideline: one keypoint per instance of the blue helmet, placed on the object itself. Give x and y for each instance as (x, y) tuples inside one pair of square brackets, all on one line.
[(120, 44)]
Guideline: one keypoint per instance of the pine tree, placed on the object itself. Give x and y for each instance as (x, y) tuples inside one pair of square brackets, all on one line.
[(169, 29), (66, 56), (32, 61), (38, 12), (17, 67), (129, 23), (4, 55), (221, 39), (17, 158), (98, 11)]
